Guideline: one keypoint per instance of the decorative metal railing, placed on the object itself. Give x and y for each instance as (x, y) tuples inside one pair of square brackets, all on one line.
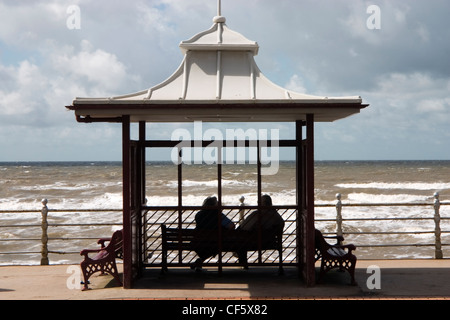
[(36, 238), (172, 217)]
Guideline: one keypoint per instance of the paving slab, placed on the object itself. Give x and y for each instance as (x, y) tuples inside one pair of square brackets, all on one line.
[(376, 279)]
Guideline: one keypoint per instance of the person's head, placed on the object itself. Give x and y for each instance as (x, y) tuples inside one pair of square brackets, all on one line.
[(266, 200), (210, 202)]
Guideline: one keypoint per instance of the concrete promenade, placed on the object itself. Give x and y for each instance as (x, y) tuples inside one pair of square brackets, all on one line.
[(399, 279)]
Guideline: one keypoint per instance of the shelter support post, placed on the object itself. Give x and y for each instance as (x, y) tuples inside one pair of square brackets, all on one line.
[(140, 201), (126, 176), (142, 159), (299, 193), (219, 195), (305, 199), (309, 218)]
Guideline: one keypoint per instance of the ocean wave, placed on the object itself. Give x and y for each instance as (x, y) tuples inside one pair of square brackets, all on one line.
[(208, 183), (396, 185), (62, 186), (384, 198)]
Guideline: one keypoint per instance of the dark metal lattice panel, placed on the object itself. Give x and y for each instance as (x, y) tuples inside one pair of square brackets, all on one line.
[(174, 217)]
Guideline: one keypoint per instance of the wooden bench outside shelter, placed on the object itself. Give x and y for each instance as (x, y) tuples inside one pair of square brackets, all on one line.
[(334, 256), (105, 259)]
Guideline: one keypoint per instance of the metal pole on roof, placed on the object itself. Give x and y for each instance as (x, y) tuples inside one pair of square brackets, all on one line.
[(219, 10)]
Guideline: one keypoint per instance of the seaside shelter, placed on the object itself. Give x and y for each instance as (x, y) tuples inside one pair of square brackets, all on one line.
[(217, 81)]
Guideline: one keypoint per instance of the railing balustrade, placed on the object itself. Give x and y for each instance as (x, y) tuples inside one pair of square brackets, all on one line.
[(80, 242)]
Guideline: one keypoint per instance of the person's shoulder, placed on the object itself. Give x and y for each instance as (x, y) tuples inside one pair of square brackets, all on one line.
[(251, 216), (200, 214), (273, 211)]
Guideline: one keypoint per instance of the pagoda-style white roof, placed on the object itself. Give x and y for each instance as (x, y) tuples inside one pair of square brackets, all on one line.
[(218, 80)]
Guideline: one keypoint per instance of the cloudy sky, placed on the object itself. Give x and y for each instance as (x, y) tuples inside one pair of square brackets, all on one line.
[(396, 58)]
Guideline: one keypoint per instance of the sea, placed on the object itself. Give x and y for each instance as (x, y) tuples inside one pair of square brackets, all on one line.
[(409, 186)]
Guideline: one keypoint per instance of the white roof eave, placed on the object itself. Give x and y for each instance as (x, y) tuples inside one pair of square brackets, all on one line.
[(128, 99)]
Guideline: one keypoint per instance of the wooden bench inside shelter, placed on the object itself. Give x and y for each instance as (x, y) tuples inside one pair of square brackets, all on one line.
[(190, 239), (105, 259)]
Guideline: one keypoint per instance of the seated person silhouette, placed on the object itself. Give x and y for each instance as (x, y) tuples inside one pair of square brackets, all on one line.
[(207, 221), (268, 219)]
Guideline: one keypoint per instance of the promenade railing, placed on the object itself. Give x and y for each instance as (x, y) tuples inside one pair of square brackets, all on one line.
[(27, 236), (406, 233), (52, 234)]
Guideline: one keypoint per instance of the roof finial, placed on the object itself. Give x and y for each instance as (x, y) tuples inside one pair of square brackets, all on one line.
[(219, 18)]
